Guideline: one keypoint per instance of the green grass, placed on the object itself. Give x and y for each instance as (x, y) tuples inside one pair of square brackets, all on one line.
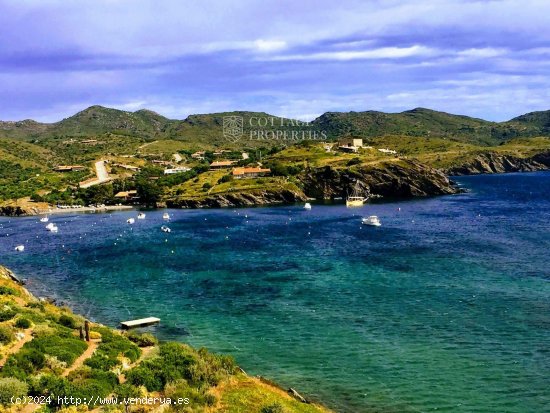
[(244, 394)]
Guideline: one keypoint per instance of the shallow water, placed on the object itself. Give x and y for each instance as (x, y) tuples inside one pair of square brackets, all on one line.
[(445, 307)]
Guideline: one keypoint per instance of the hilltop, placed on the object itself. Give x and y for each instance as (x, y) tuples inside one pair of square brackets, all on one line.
[(206, 129)]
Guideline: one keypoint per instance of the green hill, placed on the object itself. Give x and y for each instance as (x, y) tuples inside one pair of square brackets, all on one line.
[(540, 120), (206, 130)]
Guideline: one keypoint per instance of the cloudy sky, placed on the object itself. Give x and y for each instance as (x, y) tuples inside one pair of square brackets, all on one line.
[(489, 59)]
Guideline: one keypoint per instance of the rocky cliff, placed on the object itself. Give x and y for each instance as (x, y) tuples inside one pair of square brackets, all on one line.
[(240, 199), (405, 179), (15, 211), (497, 163)]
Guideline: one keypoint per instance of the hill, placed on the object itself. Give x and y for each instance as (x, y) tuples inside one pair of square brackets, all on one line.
[(539, 120), (206, 130), (44, 354)]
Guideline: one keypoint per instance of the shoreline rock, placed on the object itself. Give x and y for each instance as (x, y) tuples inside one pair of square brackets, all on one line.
[(240, 199), (405, 179), (491, 163)]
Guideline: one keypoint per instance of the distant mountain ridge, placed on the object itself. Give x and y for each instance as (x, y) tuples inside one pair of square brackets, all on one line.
[(150, 125)]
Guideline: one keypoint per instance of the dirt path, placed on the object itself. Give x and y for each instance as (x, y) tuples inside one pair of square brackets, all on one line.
[(92, 346), (147, 144), (101, 176), (145, 353), (17, 346)]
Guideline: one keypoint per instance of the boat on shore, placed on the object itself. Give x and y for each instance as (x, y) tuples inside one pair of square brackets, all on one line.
[(355, 199), (372, 221)]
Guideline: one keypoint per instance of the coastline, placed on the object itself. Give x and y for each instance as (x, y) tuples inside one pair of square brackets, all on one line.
[(404, 179), (17, 210), (262, 384)]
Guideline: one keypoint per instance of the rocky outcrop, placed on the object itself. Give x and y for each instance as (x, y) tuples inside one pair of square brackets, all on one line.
[(405, 179), (488, 163), (240, 199), (15, 211)]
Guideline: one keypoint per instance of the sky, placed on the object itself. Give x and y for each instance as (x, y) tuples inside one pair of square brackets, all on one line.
[(298, 59)]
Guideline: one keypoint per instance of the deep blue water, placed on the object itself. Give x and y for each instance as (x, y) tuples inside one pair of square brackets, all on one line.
[(445, 307)]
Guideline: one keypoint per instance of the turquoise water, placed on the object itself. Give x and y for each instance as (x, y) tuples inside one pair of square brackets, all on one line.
[(445, 307)]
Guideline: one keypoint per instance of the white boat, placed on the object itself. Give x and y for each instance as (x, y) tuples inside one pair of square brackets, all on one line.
[(51, 227), (141, 215), (130, 220), (165, 216), (20, 248), (164, 228), (44, 219), (355, 199), (372, 220), (307, 205)]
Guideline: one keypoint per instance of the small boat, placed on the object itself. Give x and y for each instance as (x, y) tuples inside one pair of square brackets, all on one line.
[(307, 205), (355, 199), (44, 219), (372, 220), (164, 228), (165, 216), (130, 220), (141, 215), (20, 248), (51, 227)]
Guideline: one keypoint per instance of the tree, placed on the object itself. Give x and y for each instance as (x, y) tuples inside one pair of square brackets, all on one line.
[(148, 192)]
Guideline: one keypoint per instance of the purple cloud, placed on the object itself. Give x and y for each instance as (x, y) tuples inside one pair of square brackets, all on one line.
[(482, 58)]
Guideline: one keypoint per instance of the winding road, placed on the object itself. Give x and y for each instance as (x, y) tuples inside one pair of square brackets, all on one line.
[(101, 176)]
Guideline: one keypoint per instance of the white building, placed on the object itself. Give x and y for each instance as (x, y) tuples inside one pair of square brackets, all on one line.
[(388, 151), (177, 170)]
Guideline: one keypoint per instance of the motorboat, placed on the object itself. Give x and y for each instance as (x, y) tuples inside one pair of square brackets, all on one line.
[(141, 215), (44, 219), (20, 248), (166, 216), (164, 228), (51, 227), (130, 220), (307, 205), (372, 220)]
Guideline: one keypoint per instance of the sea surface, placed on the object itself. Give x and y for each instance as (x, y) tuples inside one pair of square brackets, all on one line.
[(445, 307)]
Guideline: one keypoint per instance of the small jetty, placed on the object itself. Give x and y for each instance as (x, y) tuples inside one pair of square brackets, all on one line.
[(142, 322)]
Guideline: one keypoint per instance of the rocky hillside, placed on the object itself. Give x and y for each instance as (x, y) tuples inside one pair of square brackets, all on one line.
[(401, 179), (499, 163), (404, 179)]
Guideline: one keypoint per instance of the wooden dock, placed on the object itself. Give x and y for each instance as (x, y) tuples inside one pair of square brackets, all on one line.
[(142, 322)]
